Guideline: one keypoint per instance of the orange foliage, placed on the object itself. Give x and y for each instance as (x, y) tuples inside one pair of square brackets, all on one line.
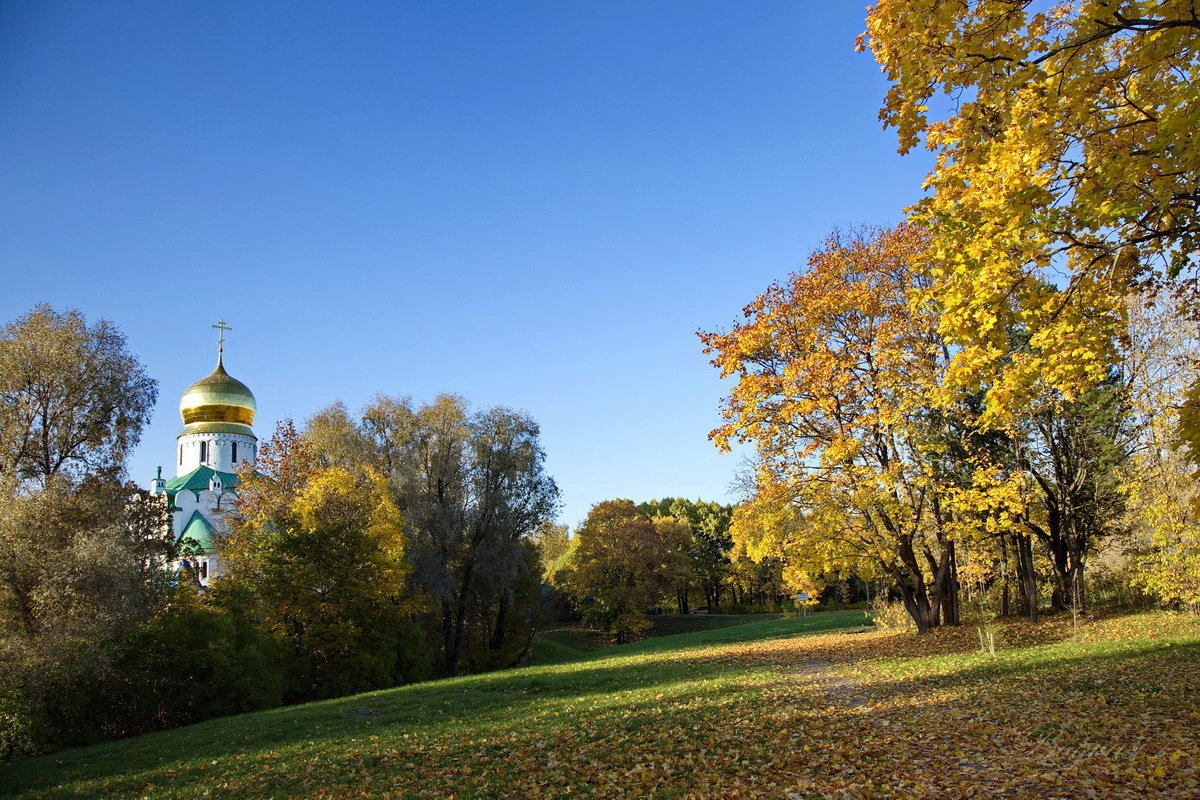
[(838, 372)]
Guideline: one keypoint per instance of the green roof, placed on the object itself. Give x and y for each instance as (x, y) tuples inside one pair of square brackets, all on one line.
[(197, 480), (199, 531)]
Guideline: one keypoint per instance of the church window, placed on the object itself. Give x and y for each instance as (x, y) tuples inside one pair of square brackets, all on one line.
[(181, 454), (204, 569), (235, 452), (203, 452)]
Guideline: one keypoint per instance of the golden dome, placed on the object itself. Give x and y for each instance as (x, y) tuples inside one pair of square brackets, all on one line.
[(218, 398)]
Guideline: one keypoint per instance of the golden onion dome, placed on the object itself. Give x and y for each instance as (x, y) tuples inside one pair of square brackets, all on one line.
[(217, 398)]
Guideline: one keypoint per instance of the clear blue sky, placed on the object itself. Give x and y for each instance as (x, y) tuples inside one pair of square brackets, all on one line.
[(533, 204)]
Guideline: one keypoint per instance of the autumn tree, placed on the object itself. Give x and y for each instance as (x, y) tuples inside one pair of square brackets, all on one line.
[(79, 558), (81, 567), (617, 569), (758, 583), (473, 489), (677, 539), (1064, 136), (837, 380), (555, 546), (323, 551), (1160, 358), (73, 400), (1164, 515), (710, 546), (1074, 451), (82, 554), (334, 438)]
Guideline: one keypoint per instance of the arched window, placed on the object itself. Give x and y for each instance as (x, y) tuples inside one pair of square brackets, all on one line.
[(203, 452), (181, 455), (235, 452), (203, 569)]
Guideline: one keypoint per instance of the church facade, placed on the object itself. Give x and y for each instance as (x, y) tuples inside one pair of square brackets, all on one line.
[(217, 440)]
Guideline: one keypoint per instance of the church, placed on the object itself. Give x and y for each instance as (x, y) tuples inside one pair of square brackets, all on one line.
[(217, 440)]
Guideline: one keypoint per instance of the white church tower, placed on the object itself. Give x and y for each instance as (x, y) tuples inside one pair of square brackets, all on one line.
[(217, 440)]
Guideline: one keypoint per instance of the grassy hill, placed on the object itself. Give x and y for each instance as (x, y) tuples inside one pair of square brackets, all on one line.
[(777, 708), (569, 642)]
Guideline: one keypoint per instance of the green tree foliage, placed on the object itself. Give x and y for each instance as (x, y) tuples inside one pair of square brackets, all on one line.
[(709, 550), (80, 570), (620, 567), (1073, 452), (322, 552), (199, 657)]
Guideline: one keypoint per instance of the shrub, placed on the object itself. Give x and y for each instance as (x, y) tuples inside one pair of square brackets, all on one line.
[(193, 662), (22, 727)]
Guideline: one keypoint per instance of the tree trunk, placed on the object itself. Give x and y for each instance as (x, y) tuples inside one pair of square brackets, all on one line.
[(454, 645), (1026, 578), (1075, 586), (922, 607), (949, 591), (923, 613), (1004, 571), (1060, 557), (520, 657)]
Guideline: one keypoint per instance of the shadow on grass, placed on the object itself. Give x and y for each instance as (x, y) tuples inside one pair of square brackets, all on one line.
[(692, 704), (606, 682)]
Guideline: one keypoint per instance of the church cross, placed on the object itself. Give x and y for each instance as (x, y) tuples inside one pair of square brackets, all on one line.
[(221, 340)]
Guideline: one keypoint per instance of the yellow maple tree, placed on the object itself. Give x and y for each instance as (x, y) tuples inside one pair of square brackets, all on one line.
[(859, 468), (322, 552), (1067, 142)]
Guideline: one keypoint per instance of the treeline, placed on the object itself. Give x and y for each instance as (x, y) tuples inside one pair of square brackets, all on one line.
[(362, 552), (625, 561), (872, 464)]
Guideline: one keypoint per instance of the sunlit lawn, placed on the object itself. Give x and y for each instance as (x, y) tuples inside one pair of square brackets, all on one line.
[(775, 708)]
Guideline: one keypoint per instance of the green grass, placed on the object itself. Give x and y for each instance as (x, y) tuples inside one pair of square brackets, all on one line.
[(563, 644), (668, 624), (268, 753), (571, 641), (769, 708)]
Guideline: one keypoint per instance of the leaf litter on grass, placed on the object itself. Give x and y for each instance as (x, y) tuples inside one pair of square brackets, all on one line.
[(1111, 712)]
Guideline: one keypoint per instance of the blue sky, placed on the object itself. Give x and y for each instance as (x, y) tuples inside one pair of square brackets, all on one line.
[(531, 204)]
